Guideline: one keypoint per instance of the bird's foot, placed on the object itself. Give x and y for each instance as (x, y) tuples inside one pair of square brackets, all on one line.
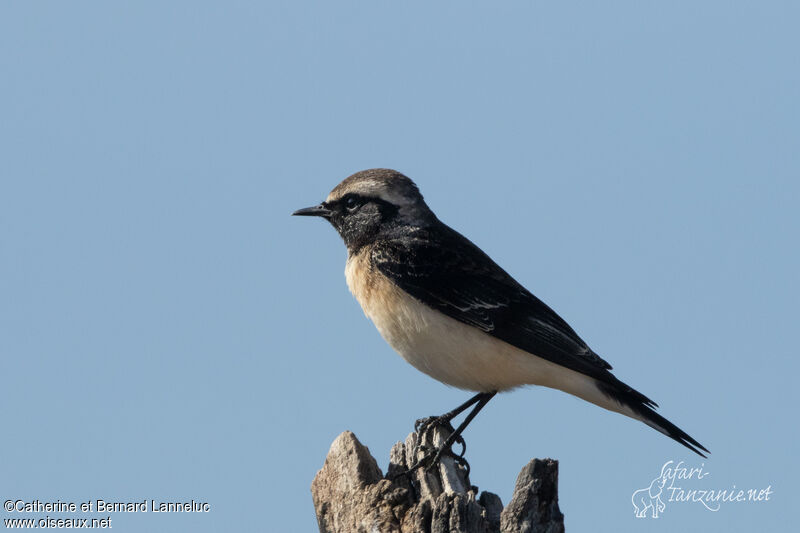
[(434, 454), (424, 425), (432, 458)]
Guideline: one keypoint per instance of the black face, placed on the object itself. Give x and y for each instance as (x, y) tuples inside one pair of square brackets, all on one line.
[(359, 219)]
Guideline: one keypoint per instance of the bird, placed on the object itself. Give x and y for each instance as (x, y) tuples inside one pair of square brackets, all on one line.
[(454, 314)]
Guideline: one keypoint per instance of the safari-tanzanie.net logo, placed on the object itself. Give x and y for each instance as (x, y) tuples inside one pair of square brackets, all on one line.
[(679, 483)]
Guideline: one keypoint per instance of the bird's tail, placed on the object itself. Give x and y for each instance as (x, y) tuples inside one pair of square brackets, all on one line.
[(636, 405)]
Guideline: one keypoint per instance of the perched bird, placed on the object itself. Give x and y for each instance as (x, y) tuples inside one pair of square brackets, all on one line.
[(454, 314)]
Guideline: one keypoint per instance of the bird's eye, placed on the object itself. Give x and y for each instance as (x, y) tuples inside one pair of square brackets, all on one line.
[(351, 203)]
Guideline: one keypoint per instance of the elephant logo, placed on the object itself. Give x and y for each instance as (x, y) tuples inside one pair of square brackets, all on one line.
[(650, 497)]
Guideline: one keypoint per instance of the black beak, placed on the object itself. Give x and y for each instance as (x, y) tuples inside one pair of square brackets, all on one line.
[(316, 211)]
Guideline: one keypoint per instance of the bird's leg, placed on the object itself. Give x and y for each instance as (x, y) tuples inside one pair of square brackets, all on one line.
[(424, 425), (456, 435)]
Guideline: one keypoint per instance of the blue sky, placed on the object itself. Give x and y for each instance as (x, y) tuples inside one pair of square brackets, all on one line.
[(169, 332)]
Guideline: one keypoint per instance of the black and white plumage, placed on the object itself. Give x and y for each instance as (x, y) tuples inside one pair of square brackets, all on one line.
[(453, 313)]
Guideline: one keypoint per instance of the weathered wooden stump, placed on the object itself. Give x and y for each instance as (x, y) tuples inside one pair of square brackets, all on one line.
[(351, 494)]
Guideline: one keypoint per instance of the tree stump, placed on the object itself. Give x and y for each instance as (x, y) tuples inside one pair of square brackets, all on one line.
[(351, 494)]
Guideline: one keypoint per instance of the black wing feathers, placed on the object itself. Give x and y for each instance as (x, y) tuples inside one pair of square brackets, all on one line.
[(444, 270)]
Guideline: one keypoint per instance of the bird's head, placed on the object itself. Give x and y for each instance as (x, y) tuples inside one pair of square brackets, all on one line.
[(370, 204)]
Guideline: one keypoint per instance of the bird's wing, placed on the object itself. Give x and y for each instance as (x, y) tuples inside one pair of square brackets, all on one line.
[(444, 270)]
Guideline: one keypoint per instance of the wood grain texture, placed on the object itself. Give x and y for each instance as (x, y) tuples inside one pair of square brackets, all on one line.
[(351, 494)]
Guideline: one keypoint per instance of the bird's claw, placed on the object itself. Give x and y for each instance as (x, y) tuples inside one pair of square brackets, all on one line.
[(425, 425), (433, 455), (428, 462)]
